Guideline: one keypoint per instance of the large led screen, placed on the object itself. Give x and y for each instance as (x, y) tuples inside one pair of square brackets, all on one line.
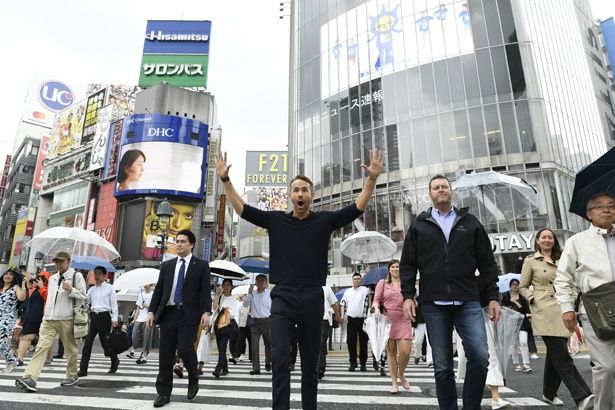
[(161, 155)]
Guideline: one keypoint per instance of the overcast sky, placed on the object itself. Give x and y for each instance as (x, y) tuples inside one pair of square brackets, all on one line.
[(102, 41)]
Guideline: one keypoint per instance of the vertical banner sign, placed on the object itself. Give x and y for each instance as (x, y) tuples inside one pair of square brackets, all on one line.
[(93, 105), (220, 233)]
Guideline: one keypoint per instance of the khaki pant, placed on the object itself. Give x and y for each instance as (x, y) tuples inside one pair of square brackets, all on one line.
[(602, 353), (47, 333)]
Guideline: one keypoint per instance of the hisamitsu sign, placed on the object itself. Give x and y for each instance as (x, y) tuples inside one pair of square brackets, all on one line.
[(266, 168)]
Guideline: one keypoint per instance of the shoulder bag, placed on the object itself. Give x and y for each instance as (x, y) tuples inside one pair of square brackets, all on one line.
[(600, 307), (81, 315)]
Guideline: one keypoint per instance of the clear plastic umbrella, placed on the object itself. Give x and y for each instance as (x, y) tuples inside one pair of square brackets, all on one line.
[(495, 197), (505, 332), (377, 327), (368, 246), (75, 241)]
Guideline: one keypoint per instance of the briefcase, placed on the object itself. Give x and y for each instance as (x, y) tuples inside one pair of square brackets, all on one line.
[(600, 307), (118, 341)]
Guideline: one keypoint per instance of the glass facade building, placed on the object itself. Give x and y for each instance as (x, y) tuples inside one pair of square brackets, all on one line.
[(445, 86)]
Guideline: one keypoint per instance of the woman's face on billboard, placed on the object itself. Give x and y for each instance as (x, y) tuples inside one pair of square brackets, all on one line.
[(134, 171), (181, 219)]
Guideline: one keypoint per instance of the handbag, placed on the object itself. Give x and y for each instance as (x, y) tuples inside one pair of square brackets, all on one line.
[(223, 319), (600, 307), (118, 341), (81, 316)]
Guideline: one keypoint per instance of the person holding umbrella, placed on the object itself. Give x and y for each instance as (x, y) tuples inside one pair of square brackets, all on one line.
[(588, 260), (299, 242), (539, 271), (388, 293)]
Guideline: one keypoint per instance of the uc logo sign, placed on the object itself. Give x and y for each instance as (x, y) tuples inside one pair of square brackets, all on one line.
[(55, 95)]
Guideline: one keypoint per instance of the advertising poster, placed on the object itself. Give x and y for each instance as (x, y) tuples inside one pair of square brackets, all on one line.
[(182, 218), (162, 154), (113, 149), (18, 237), (266, 168), (94, 104), (379, 38), (271, 198), (67, 130)]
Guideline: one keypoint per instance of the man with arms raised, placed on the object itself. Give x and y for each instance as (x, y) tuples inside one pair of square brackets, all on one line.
[(299, 242)]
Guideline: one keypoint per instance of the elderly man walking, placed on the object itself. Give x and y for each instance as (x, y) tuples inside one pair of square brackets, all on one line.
[(588, 261), (65, 287)]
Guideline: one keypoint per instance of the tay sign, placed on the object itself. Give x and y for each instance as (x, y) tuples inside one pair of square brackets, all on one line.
[(55, 95)]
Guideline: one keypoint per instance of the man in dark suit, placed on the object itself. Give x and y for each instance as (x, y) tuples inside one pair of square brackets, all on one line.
[(181, 301)]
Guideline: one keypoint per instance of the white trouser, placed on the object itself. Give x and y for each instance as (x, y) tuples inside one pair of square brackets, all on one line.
[(420, 333), (525, 351)]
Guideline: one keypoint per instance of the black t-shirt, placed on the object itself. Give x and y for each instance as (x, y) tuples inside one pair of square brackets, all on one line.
[(298, 247)]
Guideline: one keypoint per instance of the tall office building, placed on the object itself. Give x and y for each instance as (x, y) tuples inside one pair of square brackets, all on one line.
[(452, 87)]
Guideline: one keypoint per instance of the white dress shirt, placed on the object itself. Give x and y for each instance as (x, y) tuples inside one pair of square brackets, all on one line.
[(330, 300), (177, 266), (355, 301), (144, 298), (102, 298)]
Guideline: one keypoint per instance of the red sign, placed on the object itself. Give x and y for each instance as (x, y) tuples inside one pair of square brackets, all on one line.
[(106, 212), (220, 232)]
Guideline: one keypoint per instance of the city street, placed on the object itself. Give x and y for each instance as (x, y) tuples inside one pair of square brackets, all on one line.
[(133, 388)]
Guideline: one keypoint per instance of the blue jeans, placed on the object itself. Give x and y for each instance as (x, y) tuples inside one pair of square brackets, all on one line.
[(469, 323)]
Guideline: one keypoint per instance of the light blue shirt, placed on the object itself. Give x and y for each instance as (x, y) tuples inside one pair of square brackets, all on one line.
[(259, 303), (445, 221)]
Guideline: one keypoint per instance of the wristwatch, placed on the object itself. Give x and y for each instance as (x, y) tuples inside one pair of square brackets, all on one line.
[(224, 179)]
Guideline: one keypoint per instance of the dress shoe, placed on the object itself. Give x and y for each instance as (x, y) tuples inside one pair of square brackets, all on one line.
[(352, 367), (232, 360), (255, 372), (179, 371), (363, 368), (82, 373), (193, 388), (216, 373), (58, 356), (417, 360), (161, 400), (267, 367), (382, 371), (321, 375), (223, 372), (375, 364), (199, 368), (114, 367)]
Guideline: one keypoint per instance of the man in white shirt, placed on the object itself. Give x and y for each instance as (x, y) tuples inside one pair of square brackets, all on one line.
[(354, 306), (259, 303), (103, 315), (327, 321)]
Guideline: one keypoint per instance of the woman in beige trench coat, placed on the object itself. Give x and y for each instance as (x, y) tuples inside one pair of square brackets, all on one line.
[(539, 272)]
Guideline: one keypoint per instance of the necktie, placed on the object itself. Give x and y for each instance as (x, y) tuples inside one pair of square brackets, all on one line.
[(177, 299)]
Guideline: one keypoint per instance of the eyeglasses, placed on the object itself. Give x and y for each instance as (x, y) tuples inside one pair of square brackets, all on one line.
[(603, 208)]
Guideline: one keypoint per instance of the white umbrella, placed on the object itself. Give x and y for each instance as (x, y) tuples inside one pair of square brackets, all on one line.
[(75, 241), (504, 281), (495, 197), (136, 278), (368, 246), (377, 327), (227, 270), (240, 290)]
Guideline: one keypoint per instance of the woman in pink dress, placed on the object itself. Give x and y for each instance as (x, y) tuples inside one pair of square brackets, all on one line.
[(388, 292)]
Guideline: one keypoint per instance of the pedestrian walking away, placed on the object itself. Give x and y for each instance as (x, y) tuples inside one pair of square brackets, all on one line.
[(65, 287), (538, 271), (298, 242), (588, 260), (181, 302), (259, 302), (354, 310), (103, 316), (330, 303), (13, 290), (388, 294), (141, 333), (448, 246)]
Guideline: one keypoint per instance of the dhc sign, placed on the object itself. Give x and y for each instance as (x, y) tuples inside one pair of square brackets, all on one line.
[(55, 95)]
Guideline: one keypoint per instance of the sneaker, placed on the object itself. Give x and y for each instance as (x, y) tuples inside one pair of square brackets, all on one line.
[(527, 368), (534, 356), (500, 404), (556, 401), (10, 366), (518, 368), (232, 360), (27, 385), (130, 355), (417, 360), (69, 381), (429, 364), (19, 362), (587, 403), (48, 361)]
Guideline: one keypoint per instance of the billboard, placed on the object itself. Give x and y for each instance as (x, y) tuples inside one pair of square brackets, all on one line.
[(182, 218), (163, 155), (93, 105), (177, 52), (182, 70), (67, 130), (19, 237), (46, 97), (271, 198), (113, 149), (378, 38), (266, 168)]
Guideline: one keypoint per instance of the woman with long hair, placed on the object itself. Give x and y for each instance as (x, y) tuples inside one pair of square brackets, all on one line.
[(515, 300), (539, 271), (225, 299), (12, 291), (388, 292), (34, 314)]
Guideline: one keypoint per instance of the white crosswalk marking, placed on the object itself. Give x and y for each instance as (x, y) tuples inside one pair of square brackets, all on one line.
[(133, 387)]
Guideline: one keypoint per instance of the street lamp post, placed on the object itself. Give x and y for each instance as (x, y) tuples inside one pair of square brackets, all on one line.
[(164, 212)]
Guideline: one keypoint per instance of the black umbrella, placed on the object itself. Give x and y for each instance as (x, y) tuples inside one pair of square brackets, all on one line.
[(596, 178)]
